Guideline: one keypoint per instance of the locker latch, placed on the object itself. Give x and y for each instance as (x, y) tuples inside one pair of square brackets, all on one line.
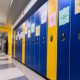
[(63, 37), (79, 34), (51, 38), (32, 41), (43, 40), (37, 41)]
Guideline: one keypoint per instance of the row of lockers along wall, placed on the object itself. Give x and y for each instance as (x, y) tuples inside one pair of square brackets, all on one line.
[(52, 40)]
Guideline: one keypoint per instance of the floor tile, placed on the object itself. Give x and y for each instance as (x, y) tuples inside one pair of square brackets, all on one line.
[(5, 62), (4, 59), (20, 78), (10, 73), (6, 66)]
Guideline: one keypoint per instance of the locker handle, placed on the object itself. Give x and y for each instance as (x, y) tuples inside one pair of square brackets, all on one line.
[(79, 34), (63, 37), (37, 41), (43, 40), (51, 38), (32, 41)]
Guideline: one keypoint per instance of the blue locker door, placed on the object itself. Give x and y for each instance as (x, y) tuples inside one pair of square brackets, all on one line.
[(75, 41), (43, 40), (63, 40), (37, 41), (20, 45), (26, 48), (32, 40), (13, 44), (29, 47), (28, 55), (18, 52), (17, 44)]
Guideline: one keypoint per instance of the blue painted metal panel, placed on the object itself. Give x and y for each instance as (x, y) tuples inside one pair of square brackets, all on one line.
[(75, 42), (19, 45), (28, 44), (17, 49), (43, 39), (37, 42), (16, 45), (13, 45), (32, 19), (63, 40)]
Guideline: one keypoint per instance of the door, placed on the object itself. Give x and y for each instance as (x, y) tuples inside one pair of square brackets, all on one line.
[(63, 39), (75, 40), (43, 39), (32, 19), (37, 41)]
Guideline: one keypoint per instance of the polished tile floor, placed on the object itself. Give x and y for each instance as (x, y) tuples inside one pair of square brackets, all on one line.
[(11, 69)]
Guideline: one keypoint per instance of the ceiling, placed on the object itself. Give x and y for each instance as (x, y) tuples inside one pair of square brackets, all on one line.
[(16, 9), (10, 10), (4, 9)]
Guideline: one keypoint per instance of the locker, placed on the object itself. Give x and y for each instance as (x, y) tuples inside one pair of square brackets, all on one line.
[(75, 40), (43, 39), (18, 42), (63, 39), (37, 41), (14, 43), (23, 41), (17, 49), (19, 45), (52, 39), (28, 44), (32, 19)]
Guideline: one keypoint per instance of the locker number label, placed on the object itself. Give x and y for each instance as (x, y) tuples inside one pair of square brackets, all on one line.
[(44, 14), (29, 33), (64, 16), (33, 28), (52, 20), (26, 31), (77, 6), (38, 30)]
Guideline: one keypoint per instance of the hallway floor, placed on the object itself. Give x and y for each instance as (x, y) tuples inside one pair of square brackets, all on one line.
[(11, 69)]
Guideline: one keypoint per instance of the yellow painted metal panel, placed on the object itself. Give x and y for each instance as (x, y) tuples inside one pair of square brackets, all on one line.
[(52, 39), (14, 44), (23, 43)]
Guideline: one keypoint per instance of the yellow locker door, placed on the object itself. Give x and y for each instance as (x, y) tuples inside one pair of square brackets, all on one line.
[(23, 43), (52, 39)]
